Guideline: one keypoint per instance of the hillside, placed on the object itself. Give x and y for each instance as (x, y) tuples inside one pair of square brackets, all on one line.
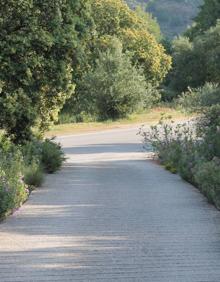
[(173, 15)]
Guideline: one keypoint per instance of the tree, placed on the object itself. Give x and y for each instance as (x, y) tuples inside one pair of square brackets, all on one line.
[(207, 18), (146, 53), (207, 48), (114, 18), (111, 16), (151, 23), (115, 88), (181, 75), (38, 41), (196, 62)]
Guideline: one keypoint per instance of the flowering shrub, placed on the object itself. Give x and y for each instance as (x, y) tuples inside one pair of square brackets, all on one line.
[(22, 168), (13, 190), (191, 149), (170, 141)]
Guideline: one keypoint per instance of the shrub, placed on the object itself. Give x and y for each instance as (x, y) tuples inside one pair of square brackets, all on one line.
[(193, 150), (47, 154), (72, 116), (32, 151), (33, 174), (170, 142), (152, 96), (196, 100), (52, 156), (207, 177), (22, 167), (13, 191), (208, 129), (6, 146), (168, 94), (188, 158)]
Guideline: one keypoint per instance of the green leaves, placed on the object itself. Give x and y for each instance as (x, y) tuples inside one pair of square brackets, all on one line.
[(196, 62), (115, 88), (38, 40), (207, 18), (114, 18)]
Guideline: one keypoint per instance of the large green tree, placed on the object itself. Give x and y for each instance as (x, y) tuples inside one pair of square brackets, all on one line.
[(115, 18), (38, 42)]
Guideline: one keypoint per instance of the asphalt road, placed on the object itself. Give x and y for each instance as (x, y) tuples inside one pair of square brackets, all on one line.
[(111, 214)]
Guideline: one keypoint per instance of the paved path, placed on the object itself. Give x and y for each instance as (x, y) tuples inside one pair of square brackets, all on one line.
[(111, 215)]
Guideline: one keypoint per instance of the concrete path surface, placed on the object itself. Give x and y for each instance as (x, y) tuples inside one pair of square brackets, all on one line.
[(111, 215)]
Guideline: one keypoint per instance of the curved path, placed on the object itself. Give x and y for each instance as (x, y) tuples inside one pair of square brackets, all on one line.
[(111, 215)]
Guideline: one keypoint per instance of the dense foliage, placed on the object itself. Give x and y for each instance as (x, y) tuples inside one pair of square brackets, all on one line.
[(38, 40), (200, 99), (151, 23), (196, 58), (208, 16), (22, 168), (13, 190), (138, 33), (192, 150), (114, 18)]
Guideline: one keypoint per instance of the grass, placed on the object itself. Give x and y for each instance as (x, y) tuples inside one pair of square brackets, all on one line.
[(150, 117)]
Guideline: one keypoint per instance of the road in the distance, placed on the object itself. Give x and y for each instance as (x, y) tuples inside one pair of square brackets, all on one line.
[(111, 215)]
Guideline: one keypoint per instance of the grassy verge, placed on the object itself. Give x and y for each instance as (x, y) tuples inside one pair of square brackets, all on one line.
[(150, 117)]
